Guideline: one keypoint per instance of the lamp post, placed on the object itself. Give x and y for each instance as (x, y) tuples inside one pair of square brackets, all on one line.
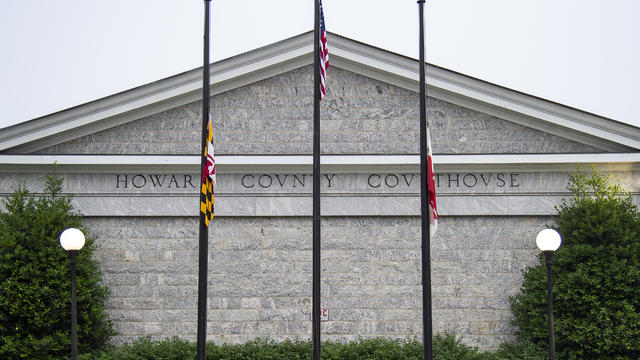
[(548, 240), (72, 240)]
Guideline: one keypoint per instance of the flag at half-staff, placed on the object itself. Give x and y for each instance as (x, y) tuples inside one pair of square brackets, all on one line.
[(207, 187), (433, 209), (323, 63), (208, 177), (320, 64)]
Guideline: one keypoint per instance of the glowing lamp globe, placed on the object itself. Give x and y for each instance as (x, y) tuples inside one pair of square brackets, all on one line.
[(548, 240), (72, 239)]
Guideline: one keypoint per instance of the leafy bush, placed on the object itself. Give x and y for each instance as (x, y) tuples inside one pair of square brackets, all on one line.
[(448, 346), (260, 349), (377, 348), (521, 351), (596, 276), (35, 288), (445, 347), (147, 349)]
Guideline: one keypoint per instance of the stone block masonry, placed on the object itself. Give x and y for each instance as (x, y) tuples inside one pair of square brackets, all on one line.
[(260, 242), (260, 276), (360, 115), (144, 213)]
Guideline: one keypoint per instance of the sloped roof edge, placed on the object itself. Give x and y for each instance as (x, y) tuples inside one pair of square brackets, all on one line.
[(295, 52)]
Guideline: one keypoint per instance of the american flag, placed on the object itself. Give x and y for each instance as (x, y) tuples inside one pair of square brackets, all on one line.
[(431, 186), (208, 178), (324, 53)]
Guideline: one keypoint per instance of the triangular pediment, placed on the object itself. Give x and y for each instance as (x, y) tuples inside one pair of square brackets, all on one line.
[(370, 109), (360, 115)]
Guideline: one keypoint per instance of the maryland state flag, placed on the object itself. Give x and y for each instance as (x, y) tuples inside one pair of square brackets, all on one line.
[(208, 177)]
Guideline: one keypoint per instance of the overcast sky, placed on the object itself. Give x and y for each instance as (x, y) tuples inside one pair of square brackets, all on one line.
[(59, 54)]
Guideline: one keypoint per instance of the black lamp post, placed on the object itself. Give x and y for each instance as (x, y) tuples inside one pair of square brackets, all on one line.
[(548, 240), (72, 240)]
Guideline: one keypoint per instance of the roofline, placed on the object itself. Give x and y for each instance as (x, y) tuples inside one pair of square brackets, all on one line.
[(489, 98), (330, 163), (286, 55)]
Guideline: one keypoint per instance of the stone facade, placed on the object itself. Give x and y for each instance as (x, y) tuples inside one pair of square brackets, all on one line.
[(260, 276), (146, 221), (360, 115)]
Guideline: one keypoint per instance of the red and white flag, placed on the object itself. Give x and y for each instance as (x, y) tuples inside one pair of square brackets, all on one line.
[(324, 54), (431, 187)]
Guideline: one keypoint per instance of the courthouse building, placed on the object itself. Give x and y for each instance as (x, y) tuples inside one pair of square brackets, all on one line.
[(131, 161)]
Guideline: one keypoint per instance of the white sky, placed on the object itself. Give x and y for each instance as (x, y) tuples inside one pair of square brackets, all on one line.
[(59, 54)]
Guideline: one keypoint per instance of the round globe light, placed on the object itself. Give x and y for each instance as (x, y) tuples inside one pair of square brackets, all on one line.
[(548, 240), (72, 239)]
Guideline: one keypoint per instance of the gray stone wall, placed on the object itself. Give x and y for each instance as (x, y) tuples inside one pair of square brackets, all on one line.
[(359, 116), (260, 248), (260, 276)]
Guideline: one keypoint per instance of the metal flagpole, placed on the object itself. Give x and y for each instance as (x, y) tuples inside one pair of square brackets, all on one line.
[(203, 247), (315, 309), (427, 330)]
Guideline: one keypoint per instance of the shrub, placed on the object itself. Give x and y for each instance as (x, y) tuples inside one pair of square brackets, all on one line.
[(445, 347), (376, 348), (35, 279), (147, 349), (448, 346), (260, 349), (521, 351), (596, 276)]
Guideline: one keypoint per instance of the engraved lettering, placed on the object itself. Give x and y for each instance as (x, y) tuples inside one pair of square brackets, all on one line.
[(140, 183), (265, 184), (408, 181), (472, 182), (457, 180), (281, 182), (173, 181), (157, 182), (378, 181), (246, 184), (514, 180), (329, 179), (118, 181), (393, 182), (486, 181), (187, 180), (438, 180), (297, 179)]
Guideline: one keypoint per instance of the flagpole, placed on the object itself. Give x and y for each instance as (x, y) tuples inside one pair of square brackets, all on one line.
[(315, 308), (427, 330), (203, 247)]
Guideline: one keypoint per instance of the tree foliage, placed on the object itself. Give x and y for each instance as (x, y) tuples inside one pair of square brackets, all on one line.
[(35, 288), (596, 276)]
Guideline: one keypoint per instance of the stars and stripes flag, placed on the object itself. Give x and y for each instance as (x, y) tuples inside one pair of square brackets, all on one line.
[(431, 186), (208, 177), (324, 54)]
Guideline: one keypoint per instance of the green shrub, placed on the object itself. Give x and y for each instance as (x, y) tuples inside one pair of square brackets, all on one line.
[(445, 347), (448, 346), (596, 276), (260, 349), (377, 348), (147, 349), (521, 351), (35, 279)]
